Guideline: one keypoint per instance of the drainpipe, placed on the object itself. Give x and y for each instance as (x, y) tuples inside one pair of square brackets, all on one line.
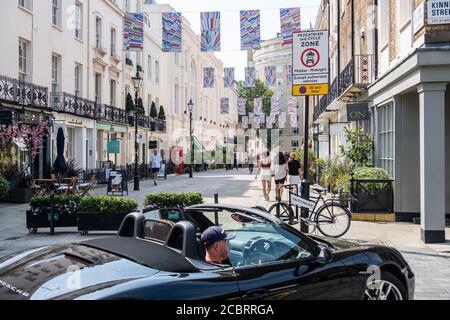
[(338, 21), (375, 68), (353, 41)]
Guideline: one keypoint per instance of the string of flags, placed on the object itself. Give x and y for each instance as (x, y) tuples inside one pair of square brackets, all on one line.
[(210, 30)]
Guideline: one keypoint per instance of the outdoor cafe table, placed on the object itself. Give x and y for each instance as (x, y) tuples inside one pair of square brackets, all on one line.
[(46, 185)]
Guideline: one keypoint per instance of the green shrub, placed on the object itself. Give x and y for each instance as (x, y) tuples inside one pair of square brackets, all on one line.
[(336, 174), (372, 174), (4, 188), (172, 200), (63, 204), (107, 205)]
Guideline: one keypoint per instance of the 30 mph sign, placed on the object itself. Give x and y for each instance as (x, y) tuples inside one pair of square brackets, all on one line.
[(310, 65)]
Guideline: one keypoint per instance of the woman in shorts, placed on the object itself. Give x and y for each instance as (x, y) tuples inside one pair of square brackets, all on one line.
[(281, 170), (264, 167)]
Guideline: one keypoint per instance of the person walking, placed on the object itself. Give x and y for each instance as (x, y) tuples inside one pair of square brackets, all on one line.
[(156, 165), (264, 167), (281, 171), (235, 162), (295, 171), (251, 162)]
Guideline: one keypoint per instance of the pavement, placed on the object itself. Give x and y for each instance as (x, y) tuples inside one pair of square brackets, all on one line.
[(430, 263)]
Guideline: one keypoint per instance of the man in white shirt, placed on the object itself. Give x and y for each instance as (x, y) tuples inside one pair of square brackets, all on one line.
[(156, 165)]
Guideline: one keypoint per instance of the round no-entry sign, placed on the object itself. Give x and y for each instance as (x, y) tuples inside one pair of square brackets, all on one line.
[(310, 58)]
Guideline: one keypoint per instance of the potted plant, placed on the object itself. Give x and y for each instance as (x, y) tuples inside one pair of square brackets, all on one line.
[(156, 201), (103, 213), (72, 169), (64, 210), (19, 184)]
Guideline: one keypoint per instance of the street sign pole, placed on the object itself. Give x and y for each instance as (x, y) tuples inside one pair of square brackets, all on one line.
[(305, 183)]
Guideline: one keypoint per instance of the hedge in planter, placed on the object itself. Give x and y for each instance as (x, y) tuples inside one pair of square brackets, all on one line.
[(64, 210), (103, 213), (4, 188), (172, 200)]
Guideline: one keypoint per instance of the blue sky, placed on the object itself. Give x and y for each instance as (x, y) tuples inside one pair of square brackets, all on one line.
[(270, 22)]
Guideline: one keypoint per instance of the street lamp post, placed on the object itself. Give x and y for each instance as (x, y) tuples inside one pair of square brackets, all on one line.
[(191, 108), (137, 80)]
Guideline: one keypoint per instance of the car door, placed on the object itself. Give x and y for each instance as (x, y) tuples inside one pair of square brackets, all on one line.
[(296, 280)]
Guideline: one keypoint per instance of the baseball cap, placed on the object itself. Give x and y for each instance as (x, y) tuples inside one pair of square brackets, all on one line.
[(215, 234)]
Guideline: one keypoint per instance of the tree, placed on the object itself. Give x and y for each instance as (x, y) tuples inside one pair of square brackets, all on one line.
[(359, 149), (153, 111), (162, 114), (259, 91), (140, 107), (129, 103)]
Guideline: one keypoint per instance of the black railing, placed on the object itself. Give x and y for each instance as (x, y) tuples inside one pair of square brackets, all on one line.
[(68, 103), (22, 92), (111, 114), (360, 71), (372, 196)]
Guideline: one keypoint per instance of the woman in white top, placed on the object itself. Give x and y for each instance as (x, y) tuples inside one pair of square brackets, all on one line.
[(281, 170), (264, 166)]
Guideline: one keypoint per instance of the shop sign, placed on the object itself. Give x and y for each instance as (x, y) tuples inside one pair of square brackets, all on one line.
[(117, 182), (113, 146), (358, 112), (76, 122)]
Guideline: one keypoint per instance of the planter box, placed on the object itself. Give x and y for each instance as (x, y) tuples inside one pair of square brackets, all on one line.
[(20, 195), (99, 222), (42, 220), (366, 204)]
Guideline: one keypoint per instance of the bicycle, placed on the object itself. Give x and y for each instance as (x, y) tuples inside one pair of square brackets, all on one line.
[(331, 218)]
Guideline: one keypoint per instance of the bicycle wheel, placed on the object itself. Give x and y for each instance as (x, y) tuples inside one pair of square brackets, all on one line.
[(333, 220), (283, 211)]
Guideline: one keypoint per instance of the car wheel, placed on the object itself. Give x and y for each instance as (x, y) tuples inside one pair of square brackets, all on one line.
[(388, 288)]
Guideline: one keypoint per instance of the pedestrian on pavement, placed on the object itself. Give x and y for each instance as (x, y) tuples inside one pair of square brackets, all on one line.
[(235, 163), (264, 167), (281, 170), (251, 161), (295, 171), (156, 165)]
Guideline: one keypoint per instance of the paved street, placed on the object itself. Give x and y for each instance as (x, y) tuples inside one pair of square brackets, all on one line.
[(431, 263)]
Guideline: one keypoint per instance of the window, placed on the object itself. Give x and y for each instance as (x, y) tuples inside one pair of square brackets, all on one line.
[(384, 6), (112, 92), (386, 137), (138, 6), (157, 71), (406, 11), (177, 99), (70, 143), (127, 91), (27, 4), (127, 5), (98, 32), (23, 60), (98, 88), (56, 73), (113, 42), (294, 144), (149, 67), (157, 102), (149, 103), (295, 131), (78, 80), (56, 12), (78, 21), (176, 58)]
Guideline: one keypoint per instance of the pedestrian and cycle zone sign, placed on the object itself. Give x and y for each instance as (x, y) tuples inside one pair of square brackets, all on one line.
[(302, 203), (310, 65)]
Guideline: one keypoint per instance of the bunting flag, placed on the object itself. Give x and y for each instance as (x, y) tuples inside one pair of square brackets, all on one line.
[(292, 105), (210, 31), (251, 118), (275, 105), (245, 122), (208, 77), (273, 118), (258, 107), (241, 102), (250, 77), (171, 32), (269, 123), (257, 122), (290, 23), (271, 76), (250, 29), (224, 105), (282, 120), (294, 121), (288, 72), (262, 118), (133, 32), (228, 77)]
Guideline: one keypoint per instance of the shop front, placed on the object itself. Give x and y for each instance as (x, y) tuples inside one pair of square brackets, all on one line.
[(112, 144)]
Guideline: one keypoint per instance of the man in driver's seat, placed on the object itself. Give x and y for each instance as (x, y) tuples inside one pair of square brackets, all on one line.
[(215, 240)]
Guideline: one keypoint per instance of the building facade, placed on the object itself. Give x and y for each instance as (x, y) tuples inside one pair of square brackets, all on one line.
[(394, 55)]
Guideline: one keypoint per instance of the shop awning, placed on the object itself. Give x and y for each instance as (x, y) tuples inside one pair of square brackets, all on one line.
[(198, 145)]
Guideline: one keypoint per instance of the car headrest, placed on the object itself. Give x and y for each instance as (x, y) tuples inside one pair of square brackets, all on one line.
[(131, 226), (183, 237)]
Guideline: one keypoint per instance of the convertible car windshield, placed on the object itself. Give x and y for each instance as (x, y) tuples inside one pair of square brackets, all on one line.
[(258, 241)]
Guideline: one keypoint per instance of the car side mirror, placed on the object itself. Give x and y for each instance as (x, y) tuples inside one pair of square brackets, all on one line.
[(325, 256)]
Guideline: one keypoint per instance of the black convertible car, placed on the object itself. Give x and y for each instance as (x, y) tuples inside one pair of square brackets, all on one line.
[(158, 255)]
